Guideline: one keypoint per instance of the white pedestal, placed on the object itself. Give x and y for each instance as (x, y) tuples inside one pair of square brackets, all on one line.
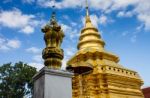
[(49, 83)]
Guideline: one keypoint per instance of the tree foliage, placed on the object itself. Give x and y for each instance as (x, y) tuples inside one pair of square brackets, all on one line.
[(16, 81)]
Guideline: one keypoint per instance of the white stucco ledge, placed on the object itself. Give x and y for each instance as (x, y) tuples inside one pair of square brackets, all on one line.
[(45, 70)]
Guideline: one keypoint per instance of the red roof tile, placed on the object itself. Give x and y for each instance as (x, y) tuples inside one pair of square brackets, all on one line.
[(146, 92)]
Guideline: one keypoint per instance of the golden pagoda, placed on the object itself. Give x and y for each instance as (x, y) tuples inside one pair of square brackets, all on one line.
[(97, 72)]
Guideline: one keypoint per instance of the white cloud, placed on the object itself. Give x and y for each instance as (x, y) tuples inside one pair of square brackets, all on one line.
[(27, 30), (64, 62), (74, 24), (7, 1), (28, 1), (45, 3), (125, 14), (65, 27), (104, 5), (122, 4), (125, 33), (8, 44), (17, 20), (14, 18), (96, 20), (103, 19), (140, 8), (37, 65), (95, 4), (72, 32), (33, 50), (62, 4), (14, 43), (133, 39), (139, 28), (37, 58), (2, 45), (68, 53), (145, 18), (37, 61)]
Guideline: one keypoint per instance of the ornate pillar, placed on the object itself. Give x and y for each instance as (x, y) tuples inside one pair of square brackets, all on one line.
[(51, 81), (53, 37)]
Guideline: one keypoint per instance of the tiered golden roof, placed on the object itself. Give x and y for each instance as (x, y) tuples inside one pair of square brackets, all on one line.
[(108, 79)]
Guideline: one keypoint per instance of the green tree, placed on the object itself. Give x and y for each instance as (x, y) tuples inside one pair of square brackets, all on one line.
[(16, 80)]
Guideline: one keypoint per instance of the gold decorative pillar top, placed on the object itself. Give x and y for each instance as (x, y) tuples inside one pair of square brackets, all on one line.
[(53, 33), (53, 37)]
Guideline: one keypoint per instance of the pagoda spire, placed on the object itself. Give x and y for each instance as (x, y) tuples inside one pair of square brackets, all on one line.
[(87, 18), (87, 8), (53, 16), (90, 36)]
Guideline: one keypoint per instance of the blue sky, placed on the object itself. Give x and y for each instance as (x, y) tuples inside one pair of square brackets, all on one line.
[(123, 24)]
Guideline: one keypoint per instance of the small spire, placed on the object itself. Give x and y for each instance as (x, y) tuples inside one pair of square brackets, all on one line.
[(87, 8), (53, 17), (87, 18)]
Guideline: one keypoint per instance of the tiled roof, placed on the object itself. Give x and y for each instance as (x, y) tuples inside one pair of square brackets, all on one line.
[(146, 92)]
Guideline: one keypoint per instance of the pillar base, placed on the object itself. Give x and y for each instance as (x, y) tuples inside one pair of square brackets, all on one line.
[(50, 83)]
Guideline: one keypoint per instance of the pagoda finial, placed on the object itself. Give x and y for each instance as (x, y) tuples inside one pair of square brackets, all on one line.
[(87, 18), (53, 16), (87, 8), (53, 12)]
